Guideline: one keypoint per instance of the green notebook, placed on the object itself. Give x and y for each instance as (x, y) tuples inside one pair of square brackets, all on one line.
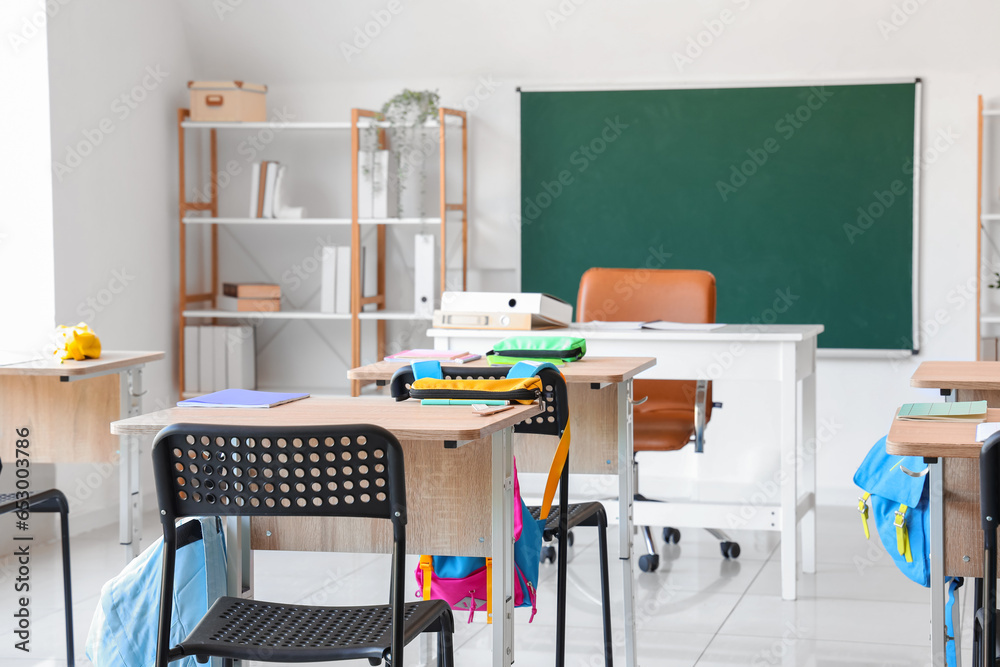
[(967, 411)]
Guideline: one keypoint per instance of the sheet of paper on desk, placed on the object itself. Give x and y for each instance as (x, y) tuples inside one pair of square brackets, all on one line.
[(658, 325), (985, 430), (12, 358)]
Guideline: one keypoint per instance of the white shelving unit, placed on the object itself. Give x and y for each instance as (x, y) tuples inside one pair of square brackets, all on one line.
[(194, 213)]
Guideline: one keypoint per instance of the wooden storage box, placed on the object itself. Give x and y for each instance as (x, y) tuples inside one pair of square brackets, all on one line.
[(228, 101)]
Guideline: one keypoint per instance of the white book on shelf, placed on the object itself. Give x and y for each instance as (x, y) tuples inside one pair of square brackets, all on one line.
[(254, 188), (269, 182), (423, 275), (191, 336), (220, 336), (240, 358), (278, 203), (385, 201), (328, 279), (206, 360), (366, 184), (343, 288)]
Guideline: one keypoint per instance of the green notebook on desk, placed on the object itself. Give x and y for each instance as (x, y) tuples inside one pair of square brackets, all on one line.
[(965, 411)]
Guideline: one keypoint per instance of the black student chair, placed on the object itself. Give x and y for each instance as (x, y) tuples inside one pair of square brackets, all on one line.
[(51, 501), (553, 421), (984, 638), (348, 471)]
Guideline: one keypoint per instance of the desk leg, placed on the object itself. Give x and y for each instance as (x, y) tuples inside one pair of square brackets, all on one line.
[(939, 591), (239, 564), (130, 493), (807, 456), (503, 548), (625, 497), (788, 429)]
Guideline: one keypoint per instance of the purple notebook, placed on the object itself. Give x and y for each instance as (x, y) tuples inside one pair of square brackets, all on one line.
[(241, 398)]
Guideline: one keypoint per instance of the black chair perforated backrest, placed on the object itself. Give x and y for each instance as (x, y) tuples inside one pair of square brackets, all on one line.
[(342, 470)]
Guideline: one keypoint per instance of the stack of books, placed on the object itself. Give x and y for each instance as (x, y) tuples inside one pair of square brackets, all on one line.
[(250, 297), (267, 199), (219, 357)]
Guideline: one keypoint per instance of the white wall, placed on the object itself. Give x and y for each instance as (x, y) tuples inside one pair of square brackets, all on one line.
[(118, 73), (123, 195), (27, 303)]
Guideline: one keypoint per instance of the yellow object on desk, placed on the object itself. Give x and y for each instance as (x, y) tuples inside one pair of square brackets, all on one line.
[(77, 342)]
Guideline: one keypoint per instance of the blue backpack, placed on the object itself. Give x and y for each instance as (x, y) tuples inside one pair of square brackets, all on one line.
[(123, 631), (896, 489)]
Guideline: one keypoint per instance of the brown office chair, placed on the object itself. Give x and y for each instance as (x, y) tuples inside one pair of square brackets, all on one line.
[(675, 412)]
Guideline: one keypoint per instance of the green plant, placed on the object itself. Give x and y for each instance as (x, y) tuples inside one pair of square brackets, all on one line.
[(405, 115), (996, 281)]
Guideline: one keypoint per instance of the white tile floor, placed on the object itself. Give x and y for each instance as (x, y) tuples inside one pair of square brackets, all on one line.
[(697, 609)]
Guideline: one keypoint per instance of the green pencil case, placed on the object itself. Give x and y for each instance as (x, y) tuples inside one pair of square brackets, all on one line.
[(557, 349)]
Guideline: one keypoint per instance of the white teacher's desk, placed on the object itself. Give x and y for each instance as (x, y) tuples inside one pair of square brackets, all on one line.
[(784, 355)]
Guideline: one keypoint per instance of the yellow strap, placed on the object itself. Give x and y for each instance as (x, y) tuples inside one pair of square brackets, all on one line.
[(555, 472), (489, 590), (427, 565), (902, 535), (863, 508)]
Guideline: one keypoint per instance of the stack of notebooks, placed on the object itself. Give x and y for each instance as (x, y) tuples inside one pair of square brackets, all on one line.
[(969, 412), (250, 297), (444, 356), (219, 357)]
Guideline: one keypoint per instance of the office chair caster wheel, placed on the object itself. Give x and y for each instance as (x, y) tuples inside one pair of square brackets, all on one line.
[(671, 535), (569, 538), (730, 549), (649, 562), (548, 554)]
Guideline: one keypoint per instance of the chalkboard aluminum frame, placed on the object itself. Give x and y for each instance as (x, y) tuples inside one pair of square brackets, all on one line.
[(835, 353)]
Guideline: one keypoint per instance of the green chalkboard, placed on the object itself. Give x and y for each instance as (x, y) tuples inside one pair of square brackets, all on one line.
[(798, 199)]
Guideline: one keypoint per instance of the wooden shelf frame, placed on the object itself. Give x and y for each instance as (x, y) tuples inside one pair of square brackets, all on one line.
[(361, 119)]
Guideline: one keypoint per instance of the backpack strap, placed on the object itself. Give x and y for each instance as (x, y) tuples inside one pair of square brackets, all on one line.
[(863, 508), (426, 369), (902, 535), (427, 567), (525, 369), (555, 472), (489, 590)]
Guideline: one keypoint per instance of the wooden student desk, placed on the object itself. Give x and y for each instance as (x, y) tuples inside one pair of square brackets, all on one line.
[(459, 488), (599, 390), (783, 355), (953, 455), (66, 408)]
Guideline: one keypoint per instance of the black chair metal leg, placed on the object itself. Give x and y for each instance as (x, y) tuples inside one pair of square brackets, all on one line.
[(67, 588), (562, 559), (446, 649), (977, 604), (602, 543)]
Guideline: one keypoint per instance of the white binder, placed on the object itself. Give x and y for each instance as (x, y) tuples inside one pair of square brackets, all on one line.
[(533, 303)]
